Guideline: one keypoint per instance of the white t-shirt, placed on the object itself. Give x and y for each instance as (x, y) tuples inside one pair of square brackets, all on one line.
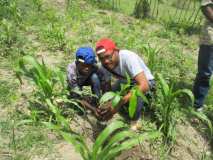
[(132, 64)]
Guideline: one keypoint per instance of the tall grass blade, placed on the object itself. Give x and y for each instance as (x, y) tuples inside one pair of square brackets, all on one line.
[(130, 143), (104, 136), (79, 144)]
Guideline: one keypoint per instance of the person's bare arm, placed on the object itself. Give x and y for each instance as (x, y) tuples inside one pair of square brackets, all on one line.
[(208, 11), (86, 105)]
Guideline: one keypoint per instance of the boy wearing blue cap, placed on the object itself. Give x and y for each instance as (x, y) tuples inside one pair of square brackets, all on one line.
[(85, 72)]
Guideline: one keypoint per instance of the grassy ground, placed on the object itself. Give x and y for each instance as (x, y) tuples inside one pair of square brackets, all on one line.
[(54, 32)]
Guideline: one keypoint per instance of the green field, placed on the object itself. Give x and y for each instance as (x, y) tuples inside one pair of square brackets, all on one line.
[(36, 125)]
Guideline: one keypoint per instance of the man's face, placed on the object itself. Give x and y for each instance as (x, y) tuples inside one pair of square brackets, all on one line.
[(83, 68), (108, 59)]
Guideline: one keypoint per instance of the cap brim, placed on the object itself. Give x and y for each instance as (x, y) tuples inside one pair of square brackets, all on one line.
[(101, 51), (81, 60)]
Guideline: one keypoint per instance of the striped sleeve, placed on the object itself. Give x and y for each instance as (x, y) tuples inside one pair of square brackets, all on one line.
[(71, 75)]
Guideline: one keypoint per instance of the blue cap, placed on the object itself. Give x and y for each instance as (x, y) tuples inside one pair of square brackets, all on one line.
[(86, 55)]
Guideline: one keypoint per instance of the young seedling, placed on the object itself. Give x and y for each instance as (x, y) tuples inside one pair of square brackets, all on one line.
[(116, 97)]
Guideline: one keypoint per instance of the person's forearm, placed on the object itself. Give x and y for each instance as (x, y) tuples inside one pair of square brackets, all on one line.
[(126, 98), (143, 88), (86, 105)]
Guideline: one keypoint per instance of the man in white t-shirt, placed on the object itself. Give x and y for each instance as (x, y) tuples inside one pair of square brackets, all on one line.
[(119, 62)]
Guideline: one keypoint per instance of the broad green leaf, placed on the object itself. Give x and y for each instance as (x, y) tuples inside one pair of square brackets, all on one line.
[(132, 103), (60, 76), (128, 79), (105, 134), (184, 91), (131, 143), (114, 141), (51, 126), (116, 100), (107, 96), (163, 84), (24, 122), (60, 119), (203, 118), (79, 144), (53, 108), (40, 74), (140, 94), (74, 102)]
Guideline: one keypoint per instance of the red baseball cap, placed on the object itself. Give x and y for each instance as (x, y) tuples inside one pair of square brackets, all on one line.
[(105, 45)]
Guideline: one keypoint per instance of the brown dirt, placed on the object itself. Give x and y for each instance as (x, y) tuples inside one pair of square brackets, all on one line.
[(50, 58)]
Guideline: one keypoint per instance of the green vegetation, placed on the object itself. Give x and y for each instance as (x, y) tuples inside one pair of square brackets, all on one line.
[(167, 109), (112, 140), (38, 39), (45, 79), (116, 97)]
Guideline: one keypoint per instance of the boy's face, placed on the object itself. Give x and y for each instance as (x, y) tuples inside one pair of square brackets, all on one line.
[(83, 68)]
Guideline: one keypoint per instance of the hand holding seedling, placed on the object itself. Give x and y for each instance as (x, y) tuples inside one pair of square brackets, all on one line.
[(87, 105), (106, 113)]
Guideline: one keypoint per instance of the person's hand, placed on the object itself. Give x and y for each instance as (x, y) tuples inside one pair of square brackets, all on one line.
[(97, 114), (95, 111), (106, 113)]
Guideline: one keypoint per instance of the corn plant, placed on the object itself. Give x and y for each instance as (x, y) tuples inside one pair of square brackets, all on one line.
[(38, 4), (14, 125), (116, 97), (50, 84), (54, 35), (45, 79), (204, 118), (112, 140), (107, 4), (68, 4), (167, 108), (115, 4), (9, 10), (15, 11), (153, 57), (8, 33)]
